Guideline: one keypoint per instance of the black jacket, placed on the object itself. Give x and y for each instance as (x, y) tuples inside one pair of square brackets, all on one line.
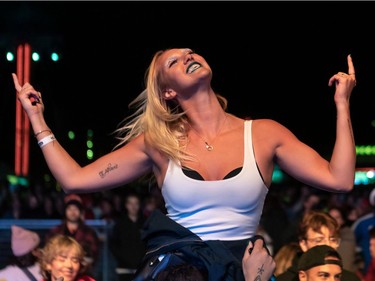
[(163, 235), (125, 242)]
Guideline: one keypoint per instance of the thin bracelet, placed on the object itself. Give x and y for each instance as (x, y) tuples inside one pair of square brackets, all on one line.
[(46, 140), (42, 131)]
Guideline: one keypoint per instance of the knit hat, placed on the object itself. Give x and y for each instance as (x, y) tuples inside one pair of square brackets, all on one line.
[(73, 199), (23, 241), (319, 255)]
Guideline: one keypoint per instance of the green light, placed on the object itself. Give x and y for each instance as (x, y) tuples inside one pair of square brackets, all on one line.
[(35, 56), (89, 144), (16, 180), (277, 175), (90, 133), (10, 56), (71, 135), (12, 179), (47, 178), (89, 154), (55, 56), (367, 150)]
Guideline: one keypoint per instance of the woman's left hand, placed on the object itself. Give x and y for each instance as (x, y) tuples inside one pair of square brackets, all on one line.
[(345, 82)]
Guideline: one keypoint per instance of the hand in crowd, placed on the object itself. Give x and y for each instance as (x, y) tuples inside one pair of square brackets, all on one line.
[(259, 264)]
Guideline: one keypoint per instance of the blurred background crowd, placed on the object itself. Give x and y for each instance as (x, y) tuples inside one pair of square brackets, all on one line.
[(284, 208)]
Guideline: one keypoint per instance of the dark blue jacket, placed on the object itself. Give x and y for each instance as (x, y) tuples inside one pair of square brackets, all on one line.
[(163, 235)]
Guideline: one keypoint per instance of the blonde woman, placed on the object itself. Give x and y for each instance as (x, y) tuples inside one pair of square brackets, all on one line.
[(213, 168), (63, 259)]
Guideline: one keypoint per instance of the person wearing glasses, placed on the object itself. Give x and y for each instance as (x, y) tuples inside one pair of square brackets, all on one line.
[(316, 228)]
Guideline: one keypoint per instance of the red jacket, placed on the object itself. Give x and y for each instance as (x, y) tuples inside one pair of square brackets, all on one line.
[(370, 274)]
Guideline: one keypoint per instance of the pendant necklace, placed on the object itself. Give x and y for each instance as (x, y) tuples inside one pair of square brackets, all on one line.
[(209, 147)]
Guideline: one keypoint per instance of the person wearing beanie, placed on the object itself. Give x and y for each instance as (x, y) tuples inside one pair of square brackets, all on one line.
[(73, 225), (25, 248), (320, 262)]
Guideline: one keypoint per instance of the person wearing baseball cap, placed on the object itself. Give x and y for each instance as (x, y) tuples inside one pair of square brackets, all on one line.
[(320, 262), (316, 228), (25, 248)]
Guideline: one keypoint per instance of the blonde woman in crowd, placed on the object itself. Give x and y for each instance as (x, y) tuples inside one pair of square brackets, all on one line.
[(63, 259)]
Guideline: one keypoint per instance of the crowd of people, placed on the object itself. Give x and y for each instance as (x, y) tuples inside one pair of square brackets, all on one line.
[(131, 208), (215, 194), (60, 258)]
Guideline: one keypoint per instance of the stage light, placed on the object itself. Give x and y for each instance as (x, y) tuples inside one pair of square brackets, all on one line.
[(71, 135), (35, 56), (10, 56), (55, 56), (368, 150), (89, 143), (89, 154), (364, 176)]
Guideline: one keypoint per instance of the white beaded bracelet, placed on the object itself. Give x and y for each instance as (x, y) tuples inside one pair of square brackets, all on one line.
[(46, 140)]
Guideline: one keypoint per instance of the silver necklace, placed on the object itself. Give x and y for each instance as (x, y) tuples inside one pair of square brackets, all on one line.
[(210, 147)]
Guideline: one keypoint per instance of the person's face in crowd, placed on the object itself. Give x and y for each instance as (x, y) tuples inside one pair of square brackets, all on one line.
[(372, 247), (132, 205), (311, 201), (324, 237), (336, 214), (33, 202), (106, 207), (327, 272), (66, 265), (73, 213), (353, 215), (150, 204)]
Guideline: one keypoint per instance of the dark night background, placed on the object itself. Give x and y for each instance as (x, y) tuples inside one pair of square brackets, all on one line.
[(270, 59)]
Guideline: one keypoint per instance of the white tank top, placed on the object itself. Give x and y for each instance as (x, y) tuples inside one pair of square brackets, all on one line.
[(228, 209)]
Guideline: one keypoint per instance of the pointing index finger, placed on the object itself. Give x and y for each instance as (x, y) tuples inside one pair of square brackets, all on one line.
[(16, 83), (351, 69)]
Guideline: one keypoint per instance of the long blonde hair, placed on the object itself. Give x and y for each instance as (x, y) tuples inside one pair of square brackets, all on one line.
[(163, 122), (284, 257)]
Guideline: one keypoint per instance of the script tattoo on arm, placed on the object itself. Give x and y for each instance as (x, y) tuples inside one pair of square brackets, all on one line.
[(108, 169)]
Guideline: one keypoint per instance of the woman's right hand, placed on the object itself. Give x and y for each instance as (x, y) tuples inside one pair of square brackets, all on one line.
[(30, 99)]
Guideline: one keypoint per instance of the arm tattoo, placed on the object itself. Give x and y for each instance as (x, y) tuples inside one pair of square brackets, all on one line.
[(108, 169)]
